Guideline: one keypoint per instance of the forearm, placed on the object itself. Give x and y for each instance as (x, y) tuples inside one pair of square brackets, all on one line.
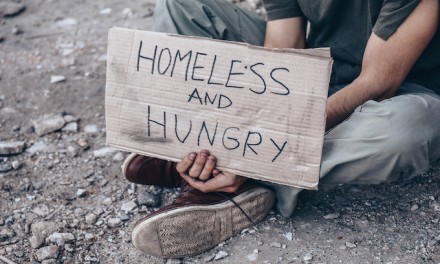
[(386, 63), (341, 104)]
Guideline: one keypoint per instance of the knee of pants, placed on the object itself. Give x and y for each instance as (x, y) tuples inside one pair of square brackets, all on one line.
[(383, 141), (167, 5), (409, 137)]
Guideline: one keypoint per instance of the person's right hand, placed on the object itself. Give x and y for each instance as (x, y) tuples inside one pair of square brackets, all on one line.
[(199, 171)]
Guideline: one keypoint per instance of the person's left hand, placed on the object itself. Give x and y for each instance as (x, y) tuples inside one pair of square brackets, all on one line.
[(219, 182)]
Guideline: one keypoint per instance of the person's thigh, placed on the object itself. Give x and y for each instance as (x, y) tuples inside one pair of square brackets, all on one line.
[(216, 19), (384, 141)]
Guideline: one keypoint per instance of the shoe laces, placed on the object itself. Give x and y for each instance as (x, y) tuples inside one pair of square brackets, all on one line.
[(186, 188)]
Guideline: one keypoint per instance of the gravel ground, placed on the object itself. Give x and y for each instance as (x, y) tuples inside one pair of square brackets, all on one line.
[(64, 200)]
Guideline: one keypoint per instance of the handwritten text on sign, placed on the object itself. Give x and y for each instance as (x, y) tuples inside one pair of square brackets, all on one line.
[(260, 112)]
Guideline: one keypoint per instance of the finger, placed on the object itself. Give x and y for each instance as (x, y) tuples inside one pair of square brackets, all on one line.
[(235, 186), (186, 163), (208, 169), (199, 163), (212, 185)]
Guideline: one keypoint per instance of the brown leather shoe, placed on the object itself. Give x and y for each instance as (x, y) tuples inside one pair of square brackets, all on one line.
[(198, 221), (151, 171)]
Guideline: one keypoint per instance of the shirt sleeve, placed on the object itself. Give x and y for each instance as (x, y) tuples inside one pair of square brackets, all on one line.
[(279, 9), (392, 15)]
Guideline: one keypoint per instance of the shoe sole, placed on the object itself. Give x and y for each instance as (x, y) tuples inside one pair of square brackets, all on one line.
[(191, 230), (126, 162)]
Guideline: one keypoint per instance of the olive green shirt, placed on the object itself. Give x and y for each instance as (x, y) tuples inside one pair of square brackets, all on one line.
[(346, 25)]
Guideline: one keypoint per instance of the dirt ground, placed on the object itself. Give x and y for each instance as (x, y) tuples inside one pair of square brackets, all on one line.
[(64, 200)]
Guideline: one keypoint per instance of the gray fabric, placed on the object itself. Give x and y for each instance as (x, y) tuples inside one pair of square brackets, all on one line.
[(208, 18), (380, 142), (345, 26)]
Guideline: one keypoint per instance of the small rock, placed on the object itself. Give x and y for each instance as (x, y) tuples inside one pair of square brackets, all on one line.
[(307, 257), (71, 127), (128, 206), (11, 9), (44, 228), (60, 238), (435, 205), (252, 257), (67, 22), (127, 12), (42, 147), (288, 236), (50, 252), (5, 167), (414, 207), (118, 156), (174, 261), (275, 244), (6, 233), (48, 123), (209, 258), (107, 201), (38, 185), (12, 147), (79, 211), (91, 129), (221, 255), (50, 261), (16, 30), (89, 236), (68, 62), (41, 210), (91, 218), (16, 164), (260, 243), (70, 118), (82, 142), (69, 248), (148, 199), (36, 241), (107, 151), (350, 245), (105, 11), (72, 151), (81, 193), (332, 216), (114, 222), (57, 79)]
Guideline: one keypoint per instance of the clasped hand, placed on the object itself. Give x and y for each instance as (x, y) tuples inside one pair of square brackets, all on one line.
[(199, 170)]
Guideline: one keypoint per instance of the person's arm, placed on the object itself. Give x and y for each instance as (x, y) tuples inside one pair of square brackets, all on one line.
[(286, 33), (386, 64)]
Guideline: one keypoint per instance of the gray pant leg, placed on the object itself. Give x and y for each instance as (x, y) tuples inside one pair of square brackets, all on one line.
[(385, 141), (380, 142), (216, 19)]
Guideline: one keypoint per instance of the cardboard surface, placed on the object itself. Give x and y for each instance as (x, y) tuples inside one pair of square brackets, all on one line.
[(260, 112)]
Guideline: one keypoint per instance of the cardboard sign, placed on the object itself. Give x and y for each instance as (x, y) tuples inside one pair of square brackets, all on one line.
[(261, 112)]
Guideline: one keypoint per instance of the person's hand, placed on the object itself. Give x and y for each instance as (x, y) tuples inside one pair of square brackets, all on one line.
[(198, 169)]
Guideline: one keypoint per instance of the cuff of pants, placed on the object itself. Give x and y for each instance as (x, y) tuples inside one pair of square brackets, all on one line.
[(287, 197)]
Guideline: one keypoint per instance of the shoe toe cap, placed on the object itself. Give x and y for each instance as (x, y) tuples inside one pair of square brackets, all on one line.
[(145, 238)]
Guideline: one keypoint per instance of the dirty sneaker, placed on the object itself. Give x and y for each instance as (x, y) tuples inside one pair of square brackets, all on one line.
[(198, 221), (151, 171)]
